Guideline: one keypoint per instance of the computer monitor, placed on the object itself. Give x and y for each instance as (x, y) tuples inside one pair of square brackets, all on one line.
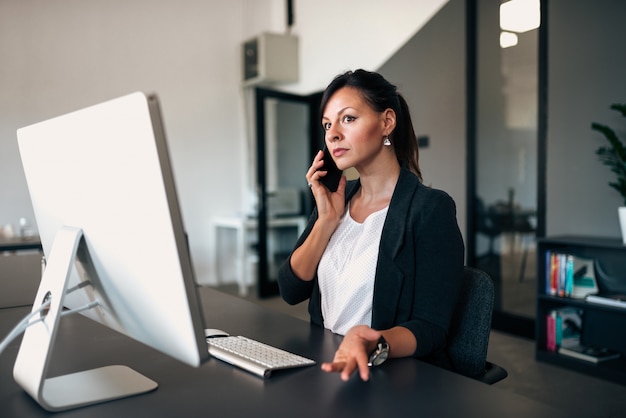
[(104, 198)]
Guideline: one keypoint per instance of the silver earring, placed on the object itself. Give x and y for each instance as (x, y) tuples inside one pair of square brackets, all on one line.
[(386, 141)]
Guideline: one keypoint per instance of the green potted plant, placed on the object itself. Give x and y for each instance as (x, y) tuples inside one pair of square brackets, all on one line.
[(613, 155)]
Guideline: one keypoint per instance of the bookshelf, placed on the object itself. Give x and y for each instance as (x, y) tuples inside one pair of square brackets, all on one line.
[(602, 325)]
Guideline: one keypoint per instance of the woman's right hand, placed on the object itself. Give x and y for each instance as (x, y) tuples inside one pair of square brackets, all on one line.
[(330, 205)]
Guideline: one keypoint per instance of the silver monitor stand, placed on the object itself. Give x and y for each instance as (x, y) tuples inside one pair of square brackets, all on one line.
[(31, 366)]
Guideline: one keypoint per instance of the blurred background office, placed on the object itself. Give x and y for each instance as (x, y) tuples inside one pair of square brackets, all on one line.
[(504, 130)]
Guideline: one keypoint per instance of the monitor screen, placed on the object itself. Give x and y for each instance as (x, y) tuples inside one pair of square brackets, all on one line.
[(104, 197)]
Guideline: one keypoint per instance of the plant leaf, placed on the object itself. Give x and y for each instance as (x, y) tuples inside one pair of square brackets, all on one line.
[(620, 107), (613, 156)]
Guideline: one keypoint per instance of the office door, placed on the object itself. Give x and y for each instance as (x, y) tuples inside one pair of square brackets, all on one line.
[(288, 129)]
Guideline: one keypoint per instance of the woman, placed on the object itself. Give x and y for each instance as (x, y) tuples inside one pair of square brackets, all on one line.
[(383, 255)]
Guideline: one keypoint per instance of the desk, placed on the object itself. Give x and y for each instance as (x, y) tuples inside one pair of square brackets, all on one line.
[(19, 243), (400, 387), (242, 227), (20, 270), (20, 274)]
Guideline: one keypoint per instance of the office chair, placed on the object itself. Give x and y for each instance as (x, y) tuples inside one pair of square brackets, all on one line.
[(470, 329)]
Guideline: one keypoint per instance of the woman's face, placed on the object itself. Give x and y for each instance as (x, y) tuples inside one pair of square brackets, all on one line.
[(354, 130)]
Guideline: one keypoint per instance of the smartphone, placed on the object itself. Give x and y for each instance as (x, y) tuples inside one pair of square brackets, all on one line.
[(333, 175)]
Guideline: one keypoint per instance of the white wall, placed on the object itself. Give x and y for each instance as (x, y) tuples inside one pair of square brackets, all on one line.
[(430, 71), (59, 56), (63, 55), (342, 35)]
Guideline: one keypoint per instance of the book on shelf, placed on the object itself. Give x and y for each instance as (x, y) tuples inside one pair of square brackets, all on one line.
[(610, 299), (590, 354), (551, 331), (563, 327), (568, 275)]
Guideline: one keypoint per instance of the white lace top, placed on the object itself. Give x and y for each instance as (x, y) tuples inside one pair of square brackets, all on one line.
[(346, 272)]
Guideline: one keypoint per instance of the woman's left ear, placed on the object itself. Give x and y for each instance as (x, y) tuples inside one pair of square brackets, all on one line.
[(389, 117)]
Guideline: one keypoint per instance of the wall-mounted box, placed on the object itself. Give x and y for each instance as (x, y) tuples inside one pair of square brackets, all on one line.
[(270, 58)]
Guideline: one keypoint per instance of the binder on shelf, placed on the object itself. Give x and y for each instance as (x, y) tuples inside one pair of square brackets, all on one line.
[(569, 326), (590, 354), (584, 279)]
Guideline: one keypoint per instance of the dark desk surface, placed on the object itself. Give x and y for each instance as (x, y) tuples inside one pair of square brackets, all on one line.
[(401, 387)]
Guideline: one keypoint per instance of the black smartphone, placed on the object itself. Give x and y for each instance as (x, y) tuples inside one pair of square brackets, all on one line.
[(333, 175)]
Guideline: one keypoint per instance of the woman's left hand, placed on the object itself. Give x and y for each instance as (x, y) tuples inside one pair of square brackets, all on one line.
[(353, 353)]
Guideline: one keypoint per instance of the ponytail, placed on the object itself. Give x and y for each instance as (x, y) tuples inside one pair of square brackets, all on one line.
[(405, 140)]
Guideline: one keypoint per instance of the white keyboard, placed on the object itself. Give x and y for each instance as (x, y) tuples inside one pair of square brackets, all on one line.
[(254, 356)]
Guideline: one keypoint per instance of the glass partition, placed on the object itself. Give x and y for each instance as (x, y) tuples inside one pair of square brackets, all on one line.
[(505, 217)]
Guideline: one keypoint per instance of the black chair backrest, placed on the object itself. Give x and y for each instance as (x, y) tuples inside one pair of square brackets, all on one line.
[(471, 324)]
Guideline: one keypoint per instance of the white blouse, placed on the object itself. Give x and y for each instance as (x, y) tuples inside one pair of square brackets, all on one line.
[(346, 272)]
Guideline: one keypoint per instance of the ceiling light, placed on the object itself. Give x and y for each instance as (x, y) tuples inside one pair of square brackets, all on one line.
[(507, 39), (520, 15)]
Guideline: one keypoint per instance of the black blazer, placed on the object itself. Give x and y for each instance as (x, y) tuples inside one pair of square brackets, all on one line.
[(419, 269)]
